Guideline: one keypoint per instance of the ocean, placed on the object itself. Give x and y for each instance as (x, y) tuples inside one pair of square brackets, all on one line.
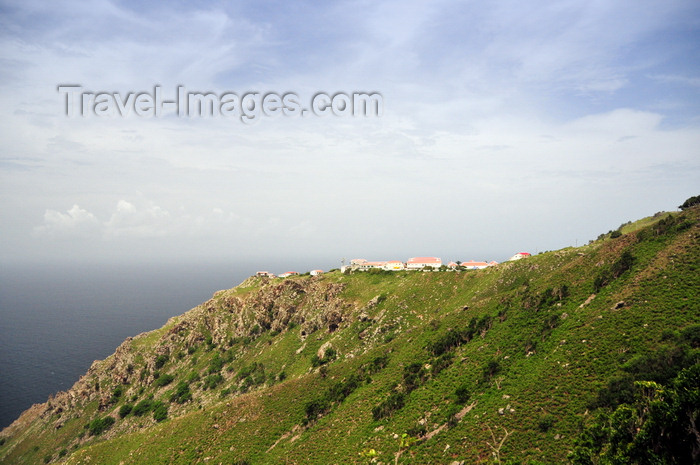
[(56, 320)]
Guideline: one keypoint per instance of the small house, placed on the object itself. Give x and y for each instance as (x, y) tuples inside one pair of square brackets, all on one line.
[(418, 263), (519, 256)]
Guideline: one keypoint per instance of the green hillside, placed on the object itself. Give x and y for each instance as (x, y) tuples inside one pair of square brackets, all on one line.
[(524, 362)]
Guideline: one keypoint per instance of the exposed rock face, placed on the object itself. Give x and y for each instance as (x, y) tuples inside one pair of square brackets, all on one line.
[(312, 304)]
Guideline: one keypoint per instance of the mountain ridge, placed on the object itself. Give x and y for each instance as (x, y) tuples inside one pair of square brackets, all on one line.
[(387, 367)]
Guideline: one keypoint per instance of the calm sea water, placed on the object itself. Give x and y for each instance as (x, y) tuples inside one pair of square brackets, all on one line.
[(55, 321)]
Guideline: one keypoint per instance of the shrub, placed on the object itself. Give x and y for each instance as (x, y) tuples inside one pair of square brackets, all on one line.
[(607, 275), (125, 410), (546, 423), (211, 381), (342, 389), (142, 407), (160, 411), (99, 425), (417, 431), (414, 375), (462, 394), (181, 394), (447, 342), (161, 360), (615, 234), (316, 408), (376, 365), (216, 364), (164, 380), (622, 264), (491, 369), (691, 202), (394, 402), (442, 362), (116, 394), (328, 357), (691, 335)]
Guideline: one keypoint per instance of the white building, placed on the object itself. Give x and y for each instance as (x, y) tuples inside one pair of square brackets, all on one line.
[(394, 265), (370, 265), (288, 273), (472, 265), (316, 272), (518, 256), (418, 263)]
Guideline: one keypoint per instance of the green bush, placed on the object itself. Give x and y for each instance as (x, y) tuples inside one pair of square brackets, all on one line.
[(546, 423), (448, 341), (142, 407), (160, 411), (100, 425), (216, 364), (161, 360), (607, 275), (182, 393), (442, 362), (116, 395), (315, 408), (462, 394), (211, 381), (394, 402), (163, 380), (414, 376), (691, 202), (125, 410), (691, 335), (490, 370), (328, 357)]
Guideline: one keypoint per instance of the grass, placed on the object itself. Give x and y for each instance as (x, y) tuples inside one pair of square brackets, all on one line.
[(534, 359)]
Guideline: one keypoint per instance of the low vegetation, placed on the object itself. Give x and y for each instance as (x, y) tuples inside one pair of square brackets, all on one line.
[(583, 355)]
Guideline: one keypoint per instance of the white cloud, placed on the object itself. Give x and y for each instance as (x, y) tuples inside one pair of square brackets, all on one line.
[(76, 222), (147, 221), (484, 102)]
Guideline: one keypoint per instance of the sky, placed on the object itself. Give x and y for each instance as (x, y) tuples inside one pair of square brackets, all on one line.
[(506, 126)]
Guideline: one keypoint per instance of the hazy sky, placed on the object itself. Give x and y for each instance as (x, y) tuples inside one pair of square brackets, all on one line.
[(507, 126)]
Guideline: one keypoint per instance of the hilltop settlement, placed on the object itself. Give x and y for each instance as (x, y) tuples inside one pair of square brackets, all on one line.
[(414, 263)]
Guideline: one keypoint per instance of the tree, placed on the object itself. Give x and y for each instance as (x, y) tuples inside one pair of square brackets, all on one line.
[(661, 426), (691, 202)]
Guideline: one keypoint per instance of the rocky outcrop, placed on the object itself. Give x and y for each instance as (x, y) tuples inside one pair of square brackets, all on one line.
[(313, 304)]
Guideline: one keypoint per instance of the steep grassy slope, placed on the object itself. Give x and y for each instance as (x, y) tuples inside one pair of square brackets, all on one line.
[(497, 364)]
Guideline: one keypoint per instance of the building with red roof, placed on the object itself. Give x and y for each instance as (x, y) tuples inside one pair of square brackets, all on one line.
[(289, 273), (472, 265), (418, 263), (394, 265), (519, 256)]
